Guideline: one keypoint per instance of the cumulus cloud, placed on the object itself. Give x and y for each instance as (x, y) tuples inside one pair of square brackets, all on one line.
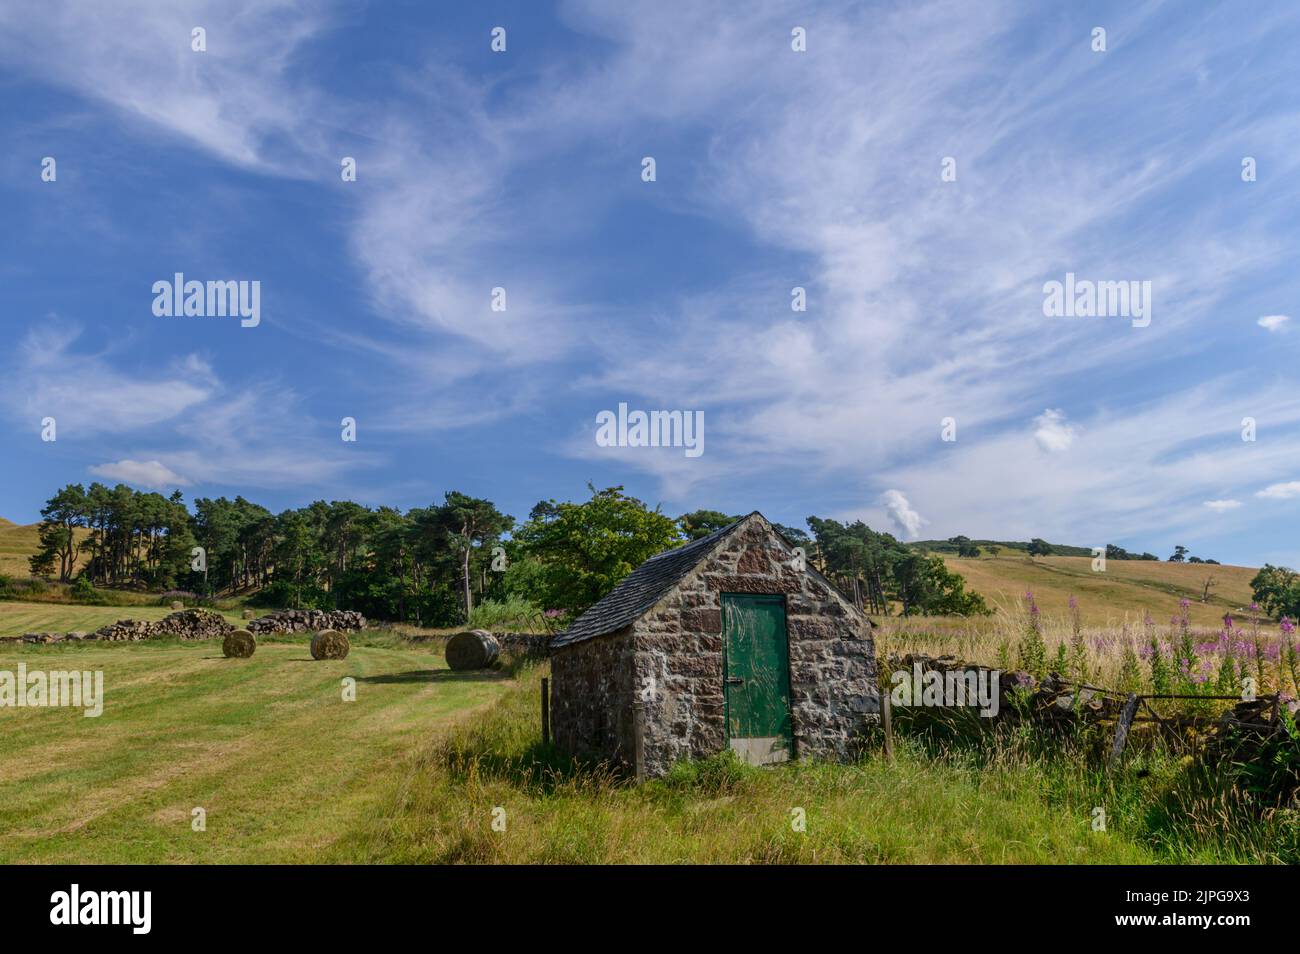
[(1222, 506), (152, 474), (1282, 491), (1052, 432), (1273, 322), (900, 510)]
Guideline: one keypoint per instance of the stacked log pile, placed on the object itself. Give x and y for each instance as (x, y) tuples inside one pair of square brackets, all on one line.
[(306, 621), (187, 624)]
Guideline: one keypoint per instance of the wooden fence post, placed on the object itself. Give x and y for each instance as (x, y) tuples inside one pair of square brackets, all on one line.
[(546, 711), (1122, 726), (886, 718), (638, 738)]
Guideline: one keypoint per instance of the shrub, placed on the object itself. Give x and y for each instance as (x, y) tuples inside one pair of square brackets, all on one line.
[(83, 591), (512, 614)]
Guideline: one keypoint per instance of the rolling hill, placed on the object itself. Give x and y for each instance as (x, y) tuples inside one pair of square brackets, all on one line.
[(17, 543), (1126, 590)]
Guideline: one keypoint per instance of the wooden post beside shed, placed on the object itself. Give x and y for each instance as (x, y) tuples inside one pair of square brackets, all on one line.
[(546, 711)]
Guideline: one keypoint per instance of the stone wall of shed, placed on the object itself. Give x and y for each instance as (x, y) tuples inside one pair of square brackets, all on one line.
[(678, 655), (591, 697)]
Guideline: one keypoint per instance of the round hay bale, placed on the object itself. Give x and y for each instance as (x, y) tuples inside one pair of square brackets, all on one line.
[(476, 649), (177, 605), (249, 614), (329, 644), (240, 644)]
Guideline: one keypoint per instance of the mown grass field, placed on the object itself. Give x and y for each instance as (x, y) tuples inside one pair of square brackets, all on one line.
[(421, 765), (283, 766), (18, 617)]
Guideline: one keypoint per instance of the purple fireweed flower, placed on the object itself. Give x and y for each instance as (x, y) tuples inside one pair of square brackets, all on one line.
[(1286, 626), (1184, 603), (1074, 604), (1031, 603), (1227, 621)]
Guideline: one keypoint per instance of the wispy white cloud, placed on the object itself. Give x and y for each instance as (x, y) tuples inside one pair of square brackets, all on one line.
[(1280, 491), (924, 295), (150, 474), (171, 427), (1273, 322), (88, 392), (136, 56), (1221, 506)]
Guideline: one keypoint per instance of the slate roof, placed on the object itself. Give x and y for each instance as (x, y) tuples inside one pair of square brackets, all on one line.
[(642, 588)]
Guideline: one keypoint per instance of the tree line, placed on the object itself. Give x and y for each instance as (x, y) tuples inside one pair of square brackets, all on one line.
[(432, 565)]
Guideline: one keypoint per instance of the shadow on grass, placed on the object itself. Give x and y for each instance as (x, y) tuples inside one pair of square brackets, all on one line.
[(436, 675)]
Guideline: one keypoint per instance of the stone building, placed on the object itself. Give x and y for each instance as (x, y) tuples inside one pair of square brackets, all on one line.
[(733, 641)]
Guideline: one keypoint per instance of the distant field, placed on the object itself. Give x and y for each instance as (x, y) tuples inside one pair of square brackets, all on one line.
[(1127, 590), (18, 618), (282, 765)]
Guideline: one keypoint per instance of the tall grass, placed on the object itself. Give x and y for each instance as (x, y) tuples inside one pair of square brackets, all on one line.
[(514, 614), (1143, 655), (1010, 797)]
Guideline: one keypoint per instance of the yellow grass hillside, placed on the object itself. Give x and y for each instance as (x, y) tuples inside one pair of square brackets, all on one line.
[(17, 543), (20, 541), (1125, 591)]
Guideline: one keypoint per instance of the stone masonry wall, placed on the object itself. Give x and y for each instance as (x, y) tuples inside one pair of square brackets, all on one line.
[(591, 697), (678, 654)]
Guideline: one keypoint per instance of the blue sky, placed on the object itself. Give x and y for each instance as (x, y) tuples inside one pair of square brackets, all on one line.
[(775, 169)]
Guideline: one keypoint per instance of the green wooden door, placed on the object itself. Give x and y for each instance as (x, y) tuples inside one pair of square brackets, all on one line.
[(757, 677)]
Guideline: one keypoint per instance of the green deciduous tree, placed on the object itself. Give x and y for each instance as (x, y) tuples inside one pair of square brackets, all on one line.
[(582, 550)]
